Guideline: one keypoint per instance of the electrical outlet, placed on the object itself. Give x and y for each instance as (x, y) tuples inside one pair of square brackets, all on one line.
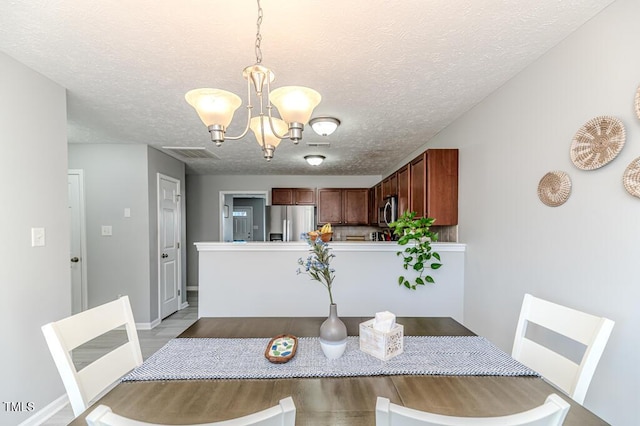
[(107, 230)]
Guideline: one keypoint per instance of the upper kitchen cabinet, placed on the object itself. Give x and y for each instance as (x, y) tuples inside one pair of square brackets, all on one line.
[(404, 189), (343, 206), (293, 196), (434, 186), (390, 186)]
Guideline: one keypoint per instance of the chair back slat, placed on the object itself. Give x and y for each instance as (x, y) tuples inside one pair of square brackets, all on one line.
[(67, 334), (589, 330), (551, 413)]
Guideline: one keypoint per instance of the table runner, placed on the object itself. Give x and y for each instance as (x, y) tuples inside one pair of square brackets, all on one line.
[(220, 358)]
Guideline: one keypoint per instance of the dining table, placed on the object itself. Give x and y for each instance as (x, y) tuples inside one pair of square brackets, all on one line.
[(328, 400)]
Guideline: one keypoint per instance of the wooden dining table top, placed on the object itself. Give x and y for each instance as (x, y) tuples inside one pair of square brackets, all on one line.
[(331, 400)]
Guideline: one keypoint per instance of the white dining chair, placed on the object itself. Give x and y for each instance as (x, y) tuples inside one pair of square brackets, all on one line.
[(283, 414), (94, 379), (592, 331), (551, 413)]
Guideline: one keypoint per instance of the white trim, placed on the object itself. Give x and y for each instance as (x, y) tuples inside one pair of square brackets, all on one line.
[(148, 325), (192, 288), (259, 194), (339, 246), (178, 251), (184, 305), (83, 237), (41, 416)]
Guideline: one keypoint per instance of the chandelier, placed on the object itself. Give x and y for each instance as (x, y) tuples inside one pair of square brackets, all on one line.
[(216, 107)]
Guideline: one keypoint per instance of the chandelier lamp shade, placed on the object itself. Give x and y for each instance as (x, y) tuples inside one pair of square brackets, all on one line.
[(324, 126), (314, 160), (295, 104)]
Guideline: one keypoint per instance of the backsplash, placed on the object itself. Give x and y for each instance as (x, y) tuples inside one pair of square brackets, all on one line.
[(446, 234)]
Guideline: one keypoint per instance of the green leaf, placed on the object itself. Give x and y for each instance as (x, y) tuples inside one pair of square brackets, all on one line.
[(429, 279), (407, 285), (418, 266), (436, 265), (419, 281), (400, 280)]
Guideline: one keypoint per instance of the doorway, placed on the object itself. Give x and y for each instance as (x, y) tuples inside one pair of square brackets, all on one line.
[(230, 201), (78, 243), (169, 258)]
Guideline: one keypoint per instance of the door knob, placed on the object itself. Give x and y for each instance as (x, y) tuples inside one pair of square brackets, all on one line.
[(164, 255), (75, 259)]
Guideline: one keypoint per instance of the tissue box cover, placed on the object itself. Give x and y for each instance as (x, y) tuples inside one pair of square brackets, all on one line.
[(381, 345)]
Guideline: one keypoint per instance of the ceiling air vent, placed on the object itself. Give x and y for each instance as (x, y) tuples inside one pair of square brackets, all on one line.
[(319, 144), (194, 152)]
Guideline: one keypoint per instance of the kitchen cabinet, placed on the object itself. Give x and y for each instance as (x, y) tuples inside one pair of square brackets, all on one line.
[(404, 189), (293, 196), (434, 185), (390, 186), (343, 206)]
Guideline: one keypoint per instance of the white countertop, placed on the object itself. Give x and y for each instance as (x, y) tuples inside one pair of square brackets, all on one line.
[(335, 245)]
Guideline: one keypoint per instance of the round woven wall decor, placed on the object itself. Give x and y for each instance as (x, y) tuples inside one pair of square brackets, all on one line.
[(631, 178), (598, 142), (638, 102), (554, 188)]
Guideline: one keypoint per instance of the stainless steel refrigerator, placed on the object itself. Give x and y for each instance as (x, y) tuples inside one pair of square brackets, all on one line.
[(286, 223)]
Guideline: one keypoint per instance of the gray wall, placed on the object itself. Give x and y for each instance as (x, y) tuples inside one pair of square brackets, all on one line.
[(35, 281), (119, 177), (159, 162), (115, 178), (204, 210), (584, 253)]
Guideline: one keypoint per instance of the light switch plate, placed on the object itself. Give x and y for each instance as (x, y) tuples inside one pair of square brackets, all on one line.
[(127, 212), (37, 237), (107, 230)]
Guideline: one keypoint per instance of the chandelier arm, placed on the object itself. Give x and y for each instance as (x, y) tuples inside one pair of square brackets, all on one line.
[(249, 108), (269, 108)]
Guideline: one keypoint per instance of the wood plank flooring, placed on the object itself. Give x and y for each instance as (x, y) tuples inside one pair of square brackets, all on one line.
[(150, 342)]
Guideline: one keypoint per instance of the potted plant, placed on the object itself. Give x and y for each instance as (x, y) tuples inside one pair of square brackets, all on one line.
[(418, 255)]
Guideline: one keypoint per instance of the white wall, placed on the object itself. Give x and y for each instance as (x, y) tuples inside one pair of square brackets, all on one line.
[(35, 281), (584, 253), (204, 210)]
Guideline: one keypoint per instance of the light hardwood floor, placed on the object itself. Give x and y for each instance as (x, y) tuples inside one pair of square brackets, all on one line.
[(150, 342)]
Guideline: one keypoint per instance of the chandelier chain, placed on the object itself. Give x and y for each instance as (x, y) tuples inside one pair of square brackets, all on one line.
[(258, 35)]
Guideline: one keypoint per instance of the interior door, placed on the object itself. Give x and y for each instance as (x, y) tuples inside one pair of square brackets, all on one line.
[(169, 244), (242, 223), (77, 252)]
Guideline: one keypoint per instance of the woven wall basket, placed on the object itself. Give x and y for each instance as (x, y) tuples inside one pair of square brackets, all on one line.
[(598, 142), (631, 178), (554, 188), (638, 102)]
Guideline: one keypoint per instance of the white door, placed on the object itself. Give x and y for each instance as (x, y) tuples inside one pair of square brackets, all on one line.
[(168, 244), (242, 223), (77, 252)]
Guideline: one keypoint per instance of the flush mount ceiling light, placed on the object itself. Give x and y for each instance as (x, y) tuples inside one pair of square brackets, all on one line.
[(314, 160), (324, 126), (294, 103)]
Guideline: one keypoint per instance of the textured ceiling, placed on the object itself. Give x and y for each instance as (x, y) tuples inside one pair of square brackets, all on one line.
[(395, 73)]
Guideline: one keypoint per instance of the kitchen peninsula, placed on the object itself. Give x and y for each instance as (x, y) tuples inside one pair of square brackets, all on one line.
[(260, 279)]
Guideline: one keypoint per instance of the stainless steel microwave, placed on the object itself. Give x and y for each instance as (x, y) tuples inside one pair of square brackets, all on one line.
[(388, 212)]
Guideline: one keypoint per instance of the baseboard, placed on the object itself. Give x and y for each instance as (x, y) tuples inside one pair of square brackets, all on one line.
[(192, 288), (148, 325), (47, 412), (184, 305)]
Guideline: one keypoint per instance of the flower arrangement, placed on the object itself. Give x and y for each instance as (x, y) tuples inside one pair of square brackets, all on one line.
[(317, 264)]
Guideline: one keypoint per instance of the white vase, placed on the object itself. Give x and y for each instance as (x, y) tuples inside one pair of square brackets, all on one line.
[(333, 334)]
